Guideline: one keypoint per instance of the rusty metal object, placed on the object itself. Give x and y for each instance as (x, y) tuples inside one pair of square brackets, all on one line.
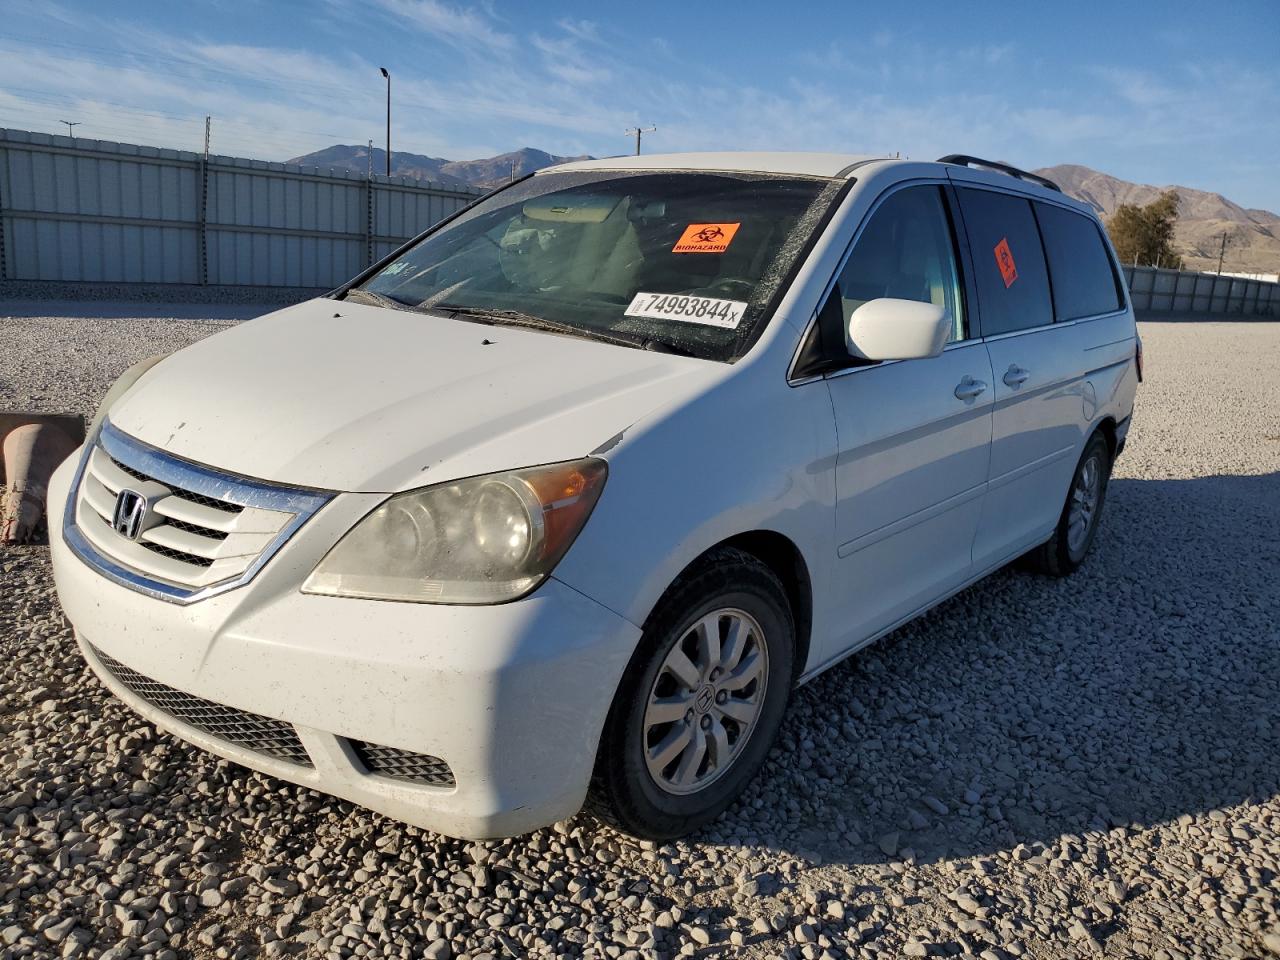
[(33, 446)]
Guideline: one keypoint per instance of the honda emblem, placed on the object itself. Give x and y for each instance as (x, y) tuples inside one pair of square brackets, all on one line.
[(131, 510)]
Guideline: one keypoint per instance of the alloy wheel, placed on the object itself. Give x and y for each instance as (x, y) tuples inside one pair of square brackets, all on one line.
[(705, 701), (1084, 503)]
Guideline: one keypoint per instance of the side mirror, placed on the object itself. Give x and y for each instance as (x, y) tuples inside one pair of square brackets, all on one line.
[(889, 329)]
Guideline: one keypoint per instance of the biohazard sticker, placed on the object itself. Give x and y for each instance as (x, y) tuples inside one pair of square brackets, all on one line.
[(706, 238), (1004, 260), (708, 311)]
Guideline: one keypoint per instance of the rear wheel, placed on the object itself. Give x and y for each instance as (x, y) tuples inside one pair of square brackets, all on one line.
[(701, 701), (1063, 553)]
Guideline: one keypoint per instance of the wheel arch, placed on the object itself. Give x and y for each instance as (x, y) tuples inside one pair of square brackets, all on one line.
[(1107, 427), (780, 554)]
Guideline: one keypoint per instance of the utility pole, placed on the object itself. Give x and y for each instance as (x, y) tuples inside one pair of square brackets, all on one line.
[(638, 131), (1222, 252), (370, 173), (388, 76), (70, 124), (208, 129), (513, 171)]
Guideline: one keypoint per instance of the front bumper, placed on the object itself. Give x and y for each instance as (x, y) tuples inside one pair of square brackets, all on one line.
[(512, 697)]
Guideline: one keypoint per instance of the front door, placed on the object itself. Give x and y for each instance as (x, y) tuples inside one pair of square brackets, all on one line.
[(914, 435)]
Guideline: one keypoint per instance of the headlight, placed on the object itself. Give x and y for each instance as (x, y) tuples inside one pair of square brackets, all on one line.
[(484, 540)]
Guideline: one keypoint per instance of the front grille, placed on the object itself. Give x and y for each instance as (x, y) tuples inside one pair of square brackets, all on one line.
[(202, 530), (179, 555), (274, 738), (403, 764)]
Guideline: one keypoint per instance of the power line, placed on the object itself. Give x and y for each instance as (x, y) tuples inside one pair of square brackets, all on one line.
[(638, 131)]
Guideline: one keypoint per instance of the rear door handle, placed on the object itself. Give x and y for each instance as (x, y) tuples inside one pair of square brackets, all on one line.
[(1015, 376), (968, 388)]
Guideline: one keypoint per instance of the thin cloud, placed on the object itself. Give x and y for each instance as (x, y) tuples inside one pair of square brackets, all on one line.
[(570, 89), (467, 27)]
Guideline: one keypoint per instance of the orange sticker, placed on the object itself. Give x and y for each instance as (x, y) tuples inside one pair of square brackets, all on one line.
[(1004, 260), (706, 238)]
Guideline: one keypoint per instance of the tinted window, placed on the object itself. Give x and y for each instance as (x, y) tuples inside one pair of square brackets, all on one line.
[(1008, 261), (905, 252), (1084, 282)]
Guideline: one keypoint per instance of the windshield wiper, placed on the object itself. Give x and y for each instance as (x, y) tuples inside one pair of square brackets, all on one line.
[(667, 346), (516, 318), (377, 299)]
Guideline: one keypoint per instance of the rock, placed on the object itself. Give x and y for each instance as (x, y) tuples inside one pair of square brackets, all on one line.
[(936, 805), (59, 930)]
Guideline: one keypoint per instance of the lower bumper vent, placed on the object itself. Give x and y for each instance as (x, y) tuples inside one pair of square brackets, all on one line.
[(403, 764), (274, 738)]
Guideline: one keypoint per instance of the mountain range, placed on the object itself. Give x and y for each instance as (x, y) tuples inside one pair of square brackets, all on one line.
[(488, 172), (1204, 218)]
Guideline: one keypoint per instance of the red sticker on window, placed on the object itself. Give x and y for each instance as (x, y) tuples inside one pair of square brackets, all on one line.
[(706, 238), (1004, 260)]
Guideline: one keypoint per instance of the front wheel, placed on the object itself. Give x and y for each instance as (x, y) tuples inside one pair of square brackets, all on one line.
[(701, 701), (1081, 514)]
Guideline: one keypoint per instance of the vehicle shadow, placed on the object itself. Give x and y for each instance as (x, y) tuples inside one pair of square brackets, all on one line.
[(1141, 689)]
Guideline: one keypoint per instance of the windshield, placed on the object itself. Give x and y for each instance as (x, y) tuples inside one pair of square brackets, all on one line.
[(677, 260)]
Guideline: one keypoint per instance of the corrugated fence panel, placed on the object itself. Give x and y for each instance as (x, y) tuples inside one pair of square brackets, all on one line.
[(73, 209), (1180, 291)]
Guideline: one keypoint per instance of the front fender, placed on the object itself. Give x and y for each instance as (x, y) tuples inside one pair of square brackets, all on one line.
[(734, 460)]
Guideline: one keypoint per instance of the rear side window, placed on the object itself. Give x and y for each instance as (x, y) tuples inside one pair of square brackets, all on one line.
[(1008, 261), (1084, 281)]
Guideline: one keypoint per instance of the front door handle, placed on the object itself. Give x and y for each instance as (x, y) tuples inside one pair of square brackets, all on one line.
[(1015, 376), (968, 388)]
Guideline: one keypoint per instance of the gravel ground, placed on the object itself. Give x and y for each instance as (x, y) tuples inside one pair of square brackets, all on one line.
[(1037, 768)]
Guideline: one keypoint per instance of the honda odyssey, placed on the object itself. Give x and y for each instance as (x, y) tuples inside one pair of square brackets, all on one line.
[(559, 502)]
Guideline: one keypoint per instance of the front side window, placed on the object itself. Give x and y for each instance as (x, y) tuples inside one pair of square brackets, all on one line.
[(688, 261), (905, 252), (1008, 261), (1084, 280)]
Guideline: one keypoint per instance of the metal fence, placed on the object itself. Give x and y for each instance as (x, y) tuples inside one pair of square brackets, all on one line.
[(93, 210), (1155, 290), (99, 211)]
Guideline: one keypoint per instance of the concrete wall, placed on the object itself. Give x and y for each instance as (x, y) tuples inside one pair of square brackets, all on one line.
[(1155, 290), (95, 211)]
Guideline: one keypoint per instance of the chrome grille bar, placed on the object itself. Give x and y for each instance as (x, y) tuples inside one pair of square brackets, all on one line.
[(206, 531)]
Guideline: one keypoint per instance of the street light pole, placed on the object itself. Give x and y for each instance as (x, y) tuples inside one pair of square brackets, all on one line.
[(70, 124), (388, 76)]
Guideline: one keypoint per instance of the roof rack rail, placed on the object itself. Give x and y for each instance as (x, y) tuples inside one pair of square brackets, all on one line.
[(965, 160)]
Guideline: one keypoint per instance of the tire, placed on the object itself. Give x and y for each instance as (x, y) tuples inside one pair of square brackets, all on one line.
[(748, 606), (1062, 554)]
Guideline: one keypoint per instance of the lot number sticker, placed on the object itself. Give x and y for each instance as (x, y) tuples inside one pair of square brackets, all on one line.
[(672, 306), (706, 238), (1004, 260)]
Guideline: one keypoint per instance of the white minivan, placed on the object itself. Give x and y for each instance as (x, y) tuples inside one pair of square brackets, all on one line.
[(559, 502)]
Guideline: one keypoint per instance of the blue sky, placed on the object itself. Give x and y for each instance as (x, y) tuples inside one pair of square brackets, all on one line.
[(1160, 93)]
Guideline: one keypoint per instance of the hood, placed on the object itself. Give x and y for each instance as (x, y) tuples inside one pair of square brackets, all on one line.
[(350, 397)]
